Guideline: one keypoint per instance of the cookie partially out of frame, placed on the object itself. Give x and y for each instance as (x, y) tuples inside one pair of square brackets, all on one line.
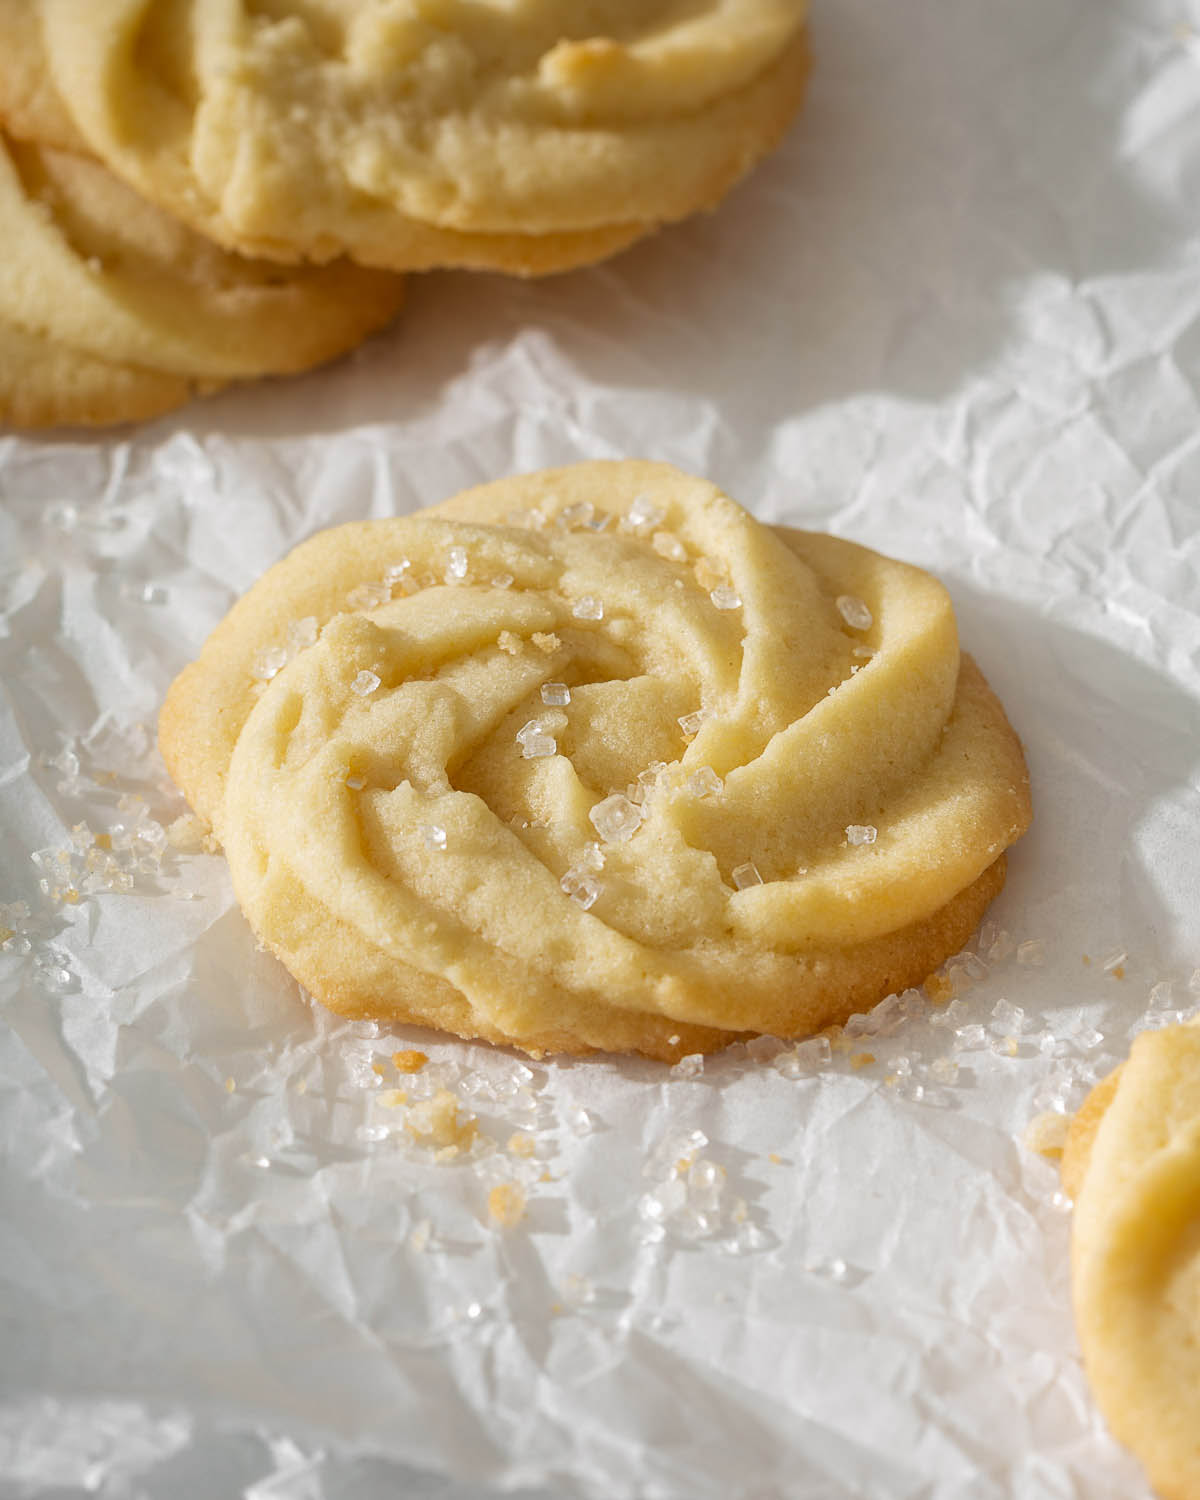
[(776, 794), (526, 136), (44, 384), (88, 264), (1132, 1164)]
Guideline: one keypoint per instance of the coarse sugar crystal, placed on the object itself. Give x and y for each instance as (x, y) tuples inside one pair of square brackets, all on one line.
[(556, 694), (690, 1066), (368, 596), (861, 833), (1031, 953), (582, 888), (588, 607), (1007, 1018), (970, 1038), (578, 515), (301, 634), (355, 783), (503, 581), (667, 545), (396, 572), (365, 684), (268, 662), (745, 876), (643, 513), (725, 598), (704, 782), (855, 612), (944, 1069), (434, 836), (457, 564), (690, 723), (616, 819)]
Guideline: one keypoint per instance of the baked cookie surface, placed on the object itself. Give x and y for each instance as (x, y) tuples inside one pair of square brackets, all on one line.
[(88, 264), (591, 759), (1132, 1163), (525, 135)]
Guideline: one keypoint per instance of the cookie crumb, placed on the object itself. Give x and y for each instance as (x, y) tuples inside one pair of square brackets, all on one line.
[(408, 1060), (1047, 1134), (510, 643), (438, 1123), (546, 642), (521, 1143), (506, 1204)]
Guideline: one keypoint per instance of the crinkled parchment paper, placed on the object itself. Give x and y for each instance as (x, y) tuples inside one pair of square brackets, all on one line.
[(957, 318)]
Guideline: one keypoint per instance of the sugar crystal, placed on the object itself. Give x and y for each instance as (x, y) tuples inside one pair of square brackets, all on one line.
[(592, 857), (616, 819), (556, 694), (704, 782), (690, 723), (396, 572), (744, 876), (588, 607), (434, 835), (944, 1069), (861, 833), (365, 684), (724, 597), (1007, 1018), (268, 662), (669, 546), (368, 596), (690, 1066), (355, 783), (582, 889), (580, 1121), (854, 612), (301, 634), (1032, 953), (644, 513), (970, 1038), (576, 515), (503, 581), (456, 566)]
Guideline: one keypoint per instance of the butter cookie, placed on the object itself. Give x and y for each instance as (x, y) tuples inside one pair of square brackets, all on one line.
[(1132, 1164), (525, 135), (591, 759)]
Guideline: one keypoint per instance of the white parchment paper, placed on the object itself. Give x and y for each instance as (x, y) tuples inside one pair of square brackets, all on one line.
[(957, 317)]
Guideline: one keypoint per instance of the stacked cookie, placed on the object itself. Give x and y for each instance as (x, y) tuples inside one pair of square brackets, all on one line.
[(324, 148)]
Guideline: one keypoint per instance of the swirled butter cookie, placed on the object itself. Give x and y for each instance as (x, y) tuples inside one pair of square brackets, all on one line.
[(526, 135), (88, 264), (1132, 1164), (591, 759)]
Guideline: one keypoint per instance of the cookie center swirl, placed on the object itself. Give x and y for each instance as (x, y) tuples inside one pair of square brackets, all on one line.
[(667, 735)]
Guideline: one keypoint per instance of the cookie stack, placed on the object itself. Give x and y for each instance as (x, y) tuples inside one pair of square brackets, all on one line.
[(196, 193)]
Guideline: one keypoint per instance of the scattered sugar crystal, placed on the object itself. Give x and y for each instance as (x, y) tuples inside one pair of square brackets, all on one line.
[(588, 607), (690, 723), (865, 653), (576, 515), (970, 1038), (456, 565), (764, 1049), (643, 513), (745, 1240), (1061, 1202), (1005, 1046), (1000, 949), (397, 572), (538, 746), (835, 1269), (804, 1057), (1031, 953), (616, 819), (704, 782), (944, 1069), (583, 889), (579, 1121), (854, 612), (664, 1202), (1112, 962), (1161, 994), (1007, 1018), (355, 783), (268, 662), (1087, 1038), (530, 520), (667, 545), (545, 641), (861, 833), (723, 597), (1050, 1045), (365, 684), (746, 875), (503, 581), (473, 1311), (705, 1183), (301, 634), (592, 857), (368, 596), (598, 520), (434, 835), (556, 694), (690, 1066)]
